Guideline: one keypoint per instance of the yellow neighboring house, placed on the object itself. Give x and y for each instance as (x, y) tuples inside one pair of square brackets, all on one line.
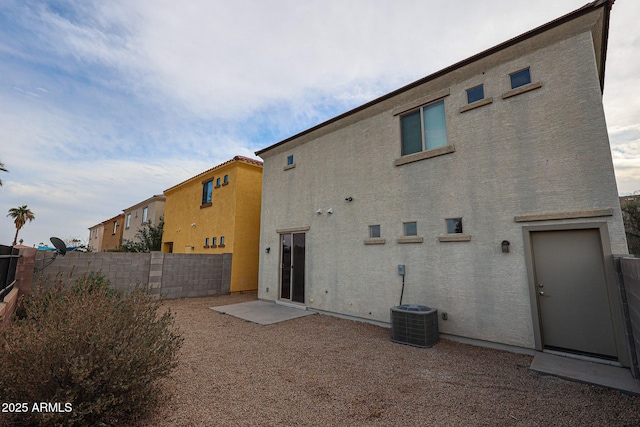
[(216, 212)]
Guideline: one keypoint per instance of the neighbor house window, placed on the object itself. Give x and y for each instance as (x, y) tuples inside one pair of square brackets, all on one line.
[(410, 229), (454, 225), (424, 129), (206, 192), (226, 180), (214, 241), (206, 242), (221, 240), (115, 227), (374, 231), (145, 213), (520, 78), (128, 222), (217, 182), (290, 160), (475, 94)]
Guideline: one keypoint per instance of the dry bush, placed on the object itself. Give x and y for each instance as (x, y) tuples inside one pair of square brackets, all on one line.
[(102, 351)]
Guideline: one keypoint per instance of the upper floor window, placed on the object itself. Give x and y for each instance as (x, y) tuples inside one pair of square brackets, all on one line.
[(127, 224), (206, 192), (217, 182), (454, 225), (221, 240), (374, 231), (424, 129), (145, 214), (410, 229), (226, 180), (290, 160), (520, 78), (115, 227), (475, 94)]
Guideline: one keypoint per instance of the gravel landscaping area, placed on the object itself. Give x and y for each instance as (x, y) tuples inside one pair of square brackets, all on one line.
[(325, 371)]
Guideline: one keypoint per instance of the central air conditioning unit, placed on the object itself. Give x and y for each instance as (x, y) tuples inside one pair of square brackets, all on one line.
[(415, 325)]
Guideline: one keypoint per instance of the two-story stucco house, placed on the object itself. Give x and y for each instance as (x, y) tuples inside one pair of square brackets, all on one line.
[(218, 211), (490, 181), (149, 211)]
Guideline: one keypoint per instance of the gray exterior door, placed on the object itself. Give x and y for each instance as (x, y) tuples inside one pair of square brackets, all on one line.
[(573, 302)]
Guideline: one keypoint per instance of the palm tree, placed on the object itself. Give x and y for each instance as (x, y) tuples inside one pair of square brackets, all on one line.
[(2, 169), (20, 217)]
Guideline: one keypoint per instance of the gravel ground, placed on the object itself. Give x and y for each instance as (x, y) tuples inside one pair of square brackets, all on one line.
[(324, 371)]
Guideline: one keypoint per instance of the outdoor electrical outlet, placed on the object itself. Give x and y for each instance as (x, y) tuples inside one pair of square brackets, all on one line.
[(445, 316)]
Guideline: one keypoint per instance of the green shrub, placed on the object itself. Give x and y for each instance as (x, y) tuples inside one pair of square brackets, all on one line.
[(100, 350)]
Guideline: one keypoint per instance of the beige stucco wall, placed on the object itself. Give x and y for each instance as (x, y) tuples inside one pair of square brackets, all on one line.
[(546, 150), (155, 211)]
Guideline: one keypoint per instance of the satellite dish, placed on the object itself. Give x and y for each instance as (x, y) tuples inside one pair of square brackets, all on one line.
[(59, 245), (61, 249)]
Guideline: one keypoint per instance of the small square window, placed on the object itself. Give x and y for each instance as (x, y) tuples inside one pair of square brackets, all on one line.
[(410, 229), (454, 225), (520, 78), (374, 231), (290, 160), (475, 94), (217, 182)]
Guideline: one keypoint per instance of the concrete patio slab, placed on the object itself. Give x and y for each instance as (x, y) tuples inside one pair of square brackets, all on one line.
[(587, 372), (262, 312)]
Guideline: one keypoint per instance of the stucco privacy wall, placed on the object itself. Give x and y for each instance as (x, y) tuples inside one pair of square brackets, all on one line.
[(546, 150), (169, 275)]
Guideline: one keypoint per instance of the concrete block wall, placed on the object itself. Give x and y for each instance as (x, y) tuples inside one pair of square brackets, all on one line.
[(628, 271), (195, 275), (169, 275)]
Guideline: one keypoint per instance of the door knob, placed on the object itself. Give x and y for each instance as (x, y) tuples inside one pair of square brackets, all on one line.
[(541, 292)]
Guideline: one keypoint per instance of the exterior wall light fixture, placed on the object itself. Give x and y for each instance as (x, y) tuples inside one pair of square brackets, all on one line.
[(268, 250), (505, 246)]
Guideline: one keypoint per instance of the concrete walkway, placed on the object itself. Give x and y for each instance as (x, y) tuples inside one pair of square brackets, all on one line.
[(586, 372), (262, 312)]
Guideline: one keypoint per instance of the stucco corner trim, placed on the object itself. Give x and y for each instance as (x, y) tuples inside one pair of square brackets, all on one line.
[(550, 216), (291, 166), (410, 239), (476, 104), (292, 230), (522, 89), (423, 155), (455, 238), (374, 241)]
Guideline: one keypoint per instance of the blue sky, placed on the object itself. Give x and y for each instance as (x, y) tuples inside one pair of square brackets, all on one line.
[(106, 103)]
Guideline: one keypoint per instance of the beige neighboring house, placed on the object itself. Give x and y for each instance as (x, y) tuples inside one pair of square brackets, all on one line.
[(151, 209), (491, 181), (96, 234)]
